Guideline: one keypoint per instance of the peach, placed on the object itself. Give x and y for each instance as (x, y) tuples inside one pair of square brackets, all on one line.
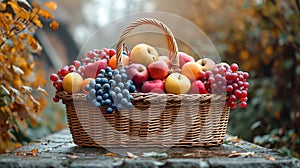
[(191, 70)]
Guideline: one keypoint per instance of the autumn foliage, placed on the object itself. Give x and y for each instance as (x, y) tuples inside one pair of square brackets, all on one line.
[(21, 93)]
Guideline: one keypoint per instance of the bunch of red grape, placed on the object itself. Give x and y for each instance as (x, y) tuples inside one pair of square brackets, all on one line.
[(227, 79), (79, 66)]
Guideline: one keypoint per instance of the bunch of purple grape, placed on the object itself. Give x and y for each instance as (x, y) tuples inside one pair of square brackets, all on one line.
[(111, 89)]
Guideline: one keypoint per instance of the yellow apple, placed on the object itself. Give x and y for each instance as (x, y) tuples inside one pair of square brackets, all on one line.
[(143, 54), (177, 83)]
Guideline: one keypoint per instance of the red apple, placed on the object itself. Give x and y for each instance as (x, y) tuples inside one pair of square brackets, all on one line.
[(138, 73), (184, 58), (198, 87), (158, 70), (207, 64), (156, 86), (92, 69)]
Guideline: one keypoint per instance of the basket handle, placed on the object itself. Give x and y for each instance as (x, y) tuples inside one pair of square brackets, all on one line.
[(172, 45)]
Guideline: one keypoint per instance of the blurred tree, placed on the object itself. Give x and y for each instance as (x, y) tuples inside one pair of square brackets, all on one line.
[(21, 75), (264, 38)]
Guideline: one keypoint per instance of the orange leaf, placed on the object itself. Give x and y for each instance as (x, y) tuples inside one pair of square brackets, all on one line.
[(51, 5), (54, 25)]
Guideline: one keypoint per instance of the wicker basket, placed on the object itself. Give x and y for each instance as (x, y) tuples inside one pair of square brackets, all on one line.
[(156, 119)]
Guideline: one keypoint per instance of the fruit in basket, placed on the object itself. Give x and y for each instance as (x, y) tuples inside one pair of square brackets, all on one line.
[(184, 58), (138, 73), (206, 64), (143, 54), (112, 92), (158, 70), (113, 61), (156, 86), (191, 70), (198, 87), (165, 59), (177, 83), (72, 82), (92, 69), (84, 83)]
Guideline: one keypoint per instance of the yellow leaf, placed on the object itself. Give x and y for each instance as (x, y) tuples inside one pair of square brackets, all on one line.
[(45, 14), (51, 5), (54, 25), (37, 22), (2, 6)]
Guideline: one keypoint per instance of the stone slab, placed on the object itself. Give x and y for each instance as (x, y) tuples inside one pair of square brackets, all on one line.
[(58, 150)]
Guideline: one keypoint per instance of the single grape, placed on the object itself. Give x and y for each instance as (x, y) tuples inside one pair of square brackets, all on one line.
[(118, 78), (232, 98), (113, 94), (97, 86), (64, 71), (100, 76), (132, 89), (100, 92), (124, 101), (92, 92), (129, 105), (246, 85), (109, 110), (125, 92), (127, 85), (122, 71), (243, 104), (92, 83), (246, 75), (237, 93), (121, 85), (124, 77), (119, 96), (108, 69), (105, 96), (119, 106), (99, 98), (95, 103), (108, 102), (112, 83), (244, 94), (87, 87), (106, 87), (229, 88), (109, 74), (102, 71), (53, 77), (117, 90), (235, 77), (111, 52), (234, 67), (115, 71)]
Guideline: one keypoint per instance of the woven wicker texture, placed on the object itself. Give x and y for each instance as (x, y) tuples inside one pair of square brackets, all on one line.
[(156, 119)]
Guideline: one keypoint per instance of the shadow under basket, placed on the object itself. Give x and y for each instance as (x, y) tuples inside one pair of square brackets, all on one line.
[(155, 120)]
